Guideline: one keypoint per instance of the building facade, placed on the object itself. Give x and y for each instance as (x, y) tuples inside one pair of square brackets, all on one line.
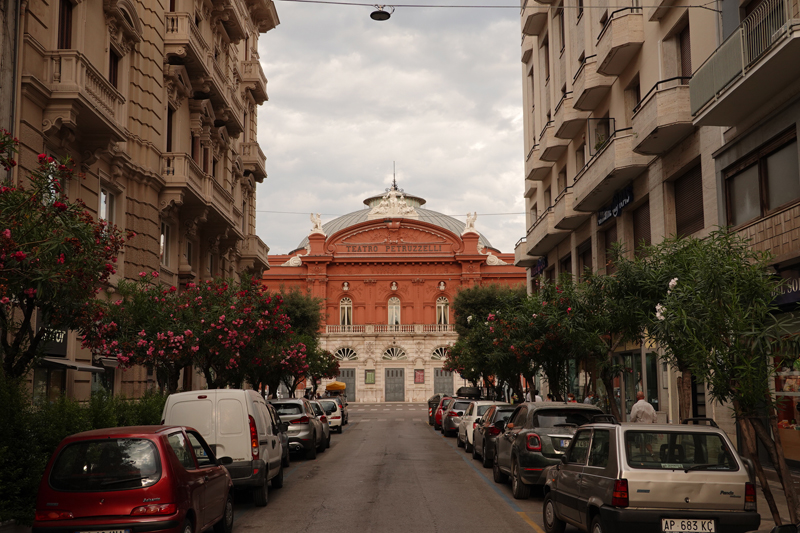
[(156, 101), (387, 276)]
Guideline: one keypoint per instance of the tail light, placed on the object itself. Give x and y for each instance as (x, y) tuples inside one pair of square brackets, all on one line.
[(336, 417), (452, 413), (301, 420), (494, 431), (619, 498), (750, 503), (323, 418), (533, 442), (253, 437), (155, 509), (53, 514)]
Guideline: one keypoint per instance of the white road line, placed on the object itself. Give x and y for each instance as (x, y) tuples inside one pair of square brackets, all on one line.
[(381, 420)]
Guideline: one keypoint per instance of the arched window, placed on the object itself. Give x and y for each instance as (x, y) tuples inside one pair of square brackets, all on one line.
[(394, 311), (345, 312), (442, 310), (440, 353), (346, 354), (394, 353)]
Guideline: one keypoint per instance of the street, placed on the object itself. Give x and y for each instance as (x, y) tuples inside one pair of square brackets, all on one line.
[(390, 471)]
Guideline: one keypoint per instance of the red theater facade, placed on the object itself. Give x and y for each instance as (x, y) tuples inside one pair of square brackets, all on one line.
[(388, 275)]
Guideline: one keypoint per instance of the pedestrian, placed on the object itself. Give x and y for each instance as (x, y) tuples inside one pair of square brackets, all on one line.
[(549, 397), (571, 398), (589, 399), (527, 395), (642, 411), (536, 396)]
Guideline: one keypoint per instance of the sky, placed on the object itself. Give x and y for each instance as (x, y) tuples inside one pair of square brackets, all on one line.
[(435, 91)]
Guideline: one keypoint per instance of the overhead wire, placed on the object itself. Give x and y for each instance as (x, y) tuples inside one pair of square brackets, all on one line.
[(479, 6)]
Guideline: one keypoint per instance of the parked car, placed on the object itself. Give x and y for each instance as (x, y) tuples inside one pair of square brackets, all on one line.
[(469, 421), (342, 401), (333, 412), (238, 424), (304, 428), (650, 477), (485, 434), (141, 478), (535, 437), (451, 417), (283, 428), (437, 418), (326, 427)]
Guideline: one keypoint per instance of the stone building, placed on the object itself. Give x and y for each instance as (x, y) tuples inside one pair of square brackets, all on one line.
[(156, 101), (387, 276)]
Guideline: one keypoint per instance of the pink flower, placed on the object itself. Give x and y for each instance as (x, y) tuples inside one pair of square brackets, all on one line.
[(7, 233), (60, 206), (155, 274), (30, 293), (19, 256), (61, 259), (142, 274), (569, 309), (4, 300)]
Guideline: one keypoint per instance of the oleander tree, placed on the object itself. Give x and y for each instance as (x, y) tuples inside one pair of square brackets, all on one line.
[(54, 258)]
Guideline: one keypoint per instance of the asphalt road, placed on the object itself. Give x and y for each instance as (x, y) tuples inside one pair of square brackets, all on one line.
[(390, 472)]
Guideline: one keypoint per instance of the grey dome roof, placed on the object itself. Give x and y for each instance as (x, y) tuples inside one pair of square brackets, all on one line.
[(426, 215)]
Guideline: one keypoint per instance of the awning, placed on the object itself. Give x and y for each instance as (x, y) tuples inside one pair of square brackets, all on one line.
[(60, 362)]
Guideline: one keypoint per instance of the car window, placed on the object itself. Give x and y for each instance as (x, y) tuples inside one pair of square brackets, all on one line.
[(482, 409), (268, 424), (317, 409), (598, 454), (258, 416), (519, 417), (202, 452), (487, 415), (469, 410), (273, 416), (329, 405), (459, 406), (548, 418), (288, 408), (503, 414), (108, 464), (675, 450), (580, 445), (181, 448)]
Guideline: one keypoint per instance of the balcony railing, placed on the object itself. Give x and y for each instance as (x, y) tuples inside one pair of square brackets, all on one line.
[(391, 328)]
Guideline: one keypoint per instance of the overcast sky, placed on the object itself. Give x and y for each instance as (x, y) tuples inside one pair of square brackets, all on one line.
[(437, 90)]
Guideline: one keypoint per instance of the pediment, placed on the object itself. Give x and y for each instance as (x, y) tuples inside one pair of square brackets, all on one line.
[(407, 237)]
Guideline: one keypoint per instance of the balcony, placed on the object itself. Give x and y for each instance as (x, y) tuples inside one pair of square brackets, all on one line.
[(527, 48), (184, 45), (182, 172), (254, 255), (79, 93), (534, 18), (535, 168), (521, 257), (568, 121), (589, 87), (264, 14), (620, 41), (613, 166), (233, 20), (545, 2), (392, 329), (544, 235), (751, 68), (663, 118), (228, 107), (530, 188), (564, 215), (551, 148), (254, 160), (254, 80), (658, 9)]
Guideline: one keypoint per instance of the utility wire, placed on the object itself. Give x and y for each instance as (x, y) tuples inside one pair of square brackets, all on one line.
[(463, 6), (339, 215)]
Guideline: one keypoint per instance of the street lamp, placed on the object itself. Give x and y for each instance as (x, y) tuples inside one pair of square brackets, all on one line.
[(380, 14)]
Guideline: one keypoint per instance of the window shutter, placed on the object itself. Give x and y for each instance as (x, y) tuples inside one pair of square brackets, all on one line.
[(641, 226), (686, 54), (689, 202)]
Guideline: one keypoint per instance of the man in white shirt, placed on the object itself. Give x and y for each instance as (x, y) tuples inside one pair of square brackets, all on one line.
[(642, 411), (536, 396)]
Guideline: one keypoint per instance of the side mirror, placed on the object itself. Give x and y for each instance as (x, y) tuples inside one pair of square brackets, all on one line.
[(224, 460), (510, 425), (564, 459), (478, 420), (284, 427)]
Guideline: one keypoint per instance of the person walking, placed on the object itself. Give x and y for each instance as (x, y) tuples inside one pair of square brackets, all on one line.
[(642, 411), (536, 396)]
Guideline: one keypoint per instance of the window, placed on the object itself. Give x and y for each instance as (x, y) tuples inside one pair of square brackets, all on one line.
[(685, 45), (210, 266), (65, 25), (394, 353), (442, 310), (181, 448), (105, 210), (189, 253), (345, 312), (439, 353), (579, 448), (419, 377), (566, 265), (534, 214), (585, 256), (561, 34), (214, 168), (369, 377), (598, 454), (641, 227), (580, 9), (244, 215), (548, 203), (763, 181), (346, 354), (580, 157), (664, 450), (48, 384), (113, 68), (546, 50), (164, 244), (562, 180), (201, 450), (170, 114), (519, 417), (689, 202), (394, 311)]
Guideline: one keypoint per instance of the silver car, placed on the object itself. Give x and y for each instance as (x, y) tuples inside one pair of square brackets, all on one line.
[(650, 477), (326, 426), (305, 430)]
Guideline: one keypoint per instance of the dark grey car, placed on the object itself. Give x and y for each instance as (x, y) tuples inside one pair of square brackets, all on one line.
[(305, 430), (326, 427), (485, 434), (451, 417), (283, 435)]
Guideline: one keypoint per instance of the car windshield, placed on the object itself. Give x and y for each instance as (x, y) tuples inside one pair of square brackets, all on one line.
[(675, 450), (328, 405), (317, 409), (460, 406), (482, 409), (104, 465), (549, 418), (289, 408)]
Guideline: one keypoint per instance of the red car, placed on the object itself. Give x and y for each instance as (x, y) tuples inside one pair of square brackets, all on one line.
[(437, 419), (135, 480)]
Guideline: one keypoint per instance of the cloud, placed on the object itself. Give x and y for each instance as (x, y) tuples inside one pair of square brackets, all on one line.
[(436, 90)]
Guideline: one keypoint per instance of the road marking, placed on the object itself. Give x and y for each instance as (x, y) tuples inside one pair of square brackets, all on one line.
[(399, 419), (530, 522), (381, 420)]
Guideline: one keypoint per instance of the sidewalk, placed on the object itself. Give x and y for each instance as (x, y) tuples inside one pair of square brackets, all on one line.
[(780, 500)]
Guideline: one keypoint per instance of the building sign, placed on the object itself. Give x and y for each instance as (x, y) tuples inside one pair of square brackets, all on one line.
[(621, 199), (369, 377), (789, 292), (390, 248), (419, 376), (54, 341), (541, 265)]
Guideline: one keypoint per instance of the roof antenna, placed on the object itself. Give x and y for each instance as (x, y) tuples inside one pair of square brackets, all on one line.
[(394, 175)]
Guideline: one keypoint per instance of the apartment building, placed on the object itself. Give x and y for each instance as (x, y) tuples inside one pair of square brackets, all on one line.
[(156, 101), (612, 152)]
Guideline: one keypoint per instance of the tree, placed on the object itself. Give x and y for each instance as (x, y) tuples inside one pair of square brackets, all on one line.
[(321, 365), (54, 258)]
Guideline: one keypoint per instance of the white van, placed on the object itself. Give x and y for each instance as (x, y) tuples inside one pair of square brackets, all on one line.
[(238, 424)]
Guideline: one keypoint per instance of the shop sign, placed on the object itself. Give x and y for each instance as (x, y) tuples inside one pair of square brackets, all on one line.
[(621, 199), (789, 292), (54, 341)]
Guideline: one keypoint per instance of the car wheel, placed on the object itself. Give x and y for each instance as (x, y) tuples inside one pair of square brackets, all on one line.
[(328, 441), (519, 489), (311, 453), (487, 460), (469, 448), (277, 481), (475, 454), (225, 524), (552, 523), (459, 442), (261, 495), (187, 527), (339, 430), (597, 525), (499, 476)]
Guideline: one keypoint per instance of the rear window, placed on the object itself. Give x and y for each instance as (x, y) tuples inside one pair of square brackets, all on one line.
[(550, 418), (328, 405), (676, 450), (503, 414), (288, 408), (482, 409), (460, 406), (106, 465)]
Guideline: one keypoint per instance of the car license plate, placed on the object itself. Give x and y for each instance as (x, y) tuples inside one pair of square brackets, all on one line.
[(681, 525)]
